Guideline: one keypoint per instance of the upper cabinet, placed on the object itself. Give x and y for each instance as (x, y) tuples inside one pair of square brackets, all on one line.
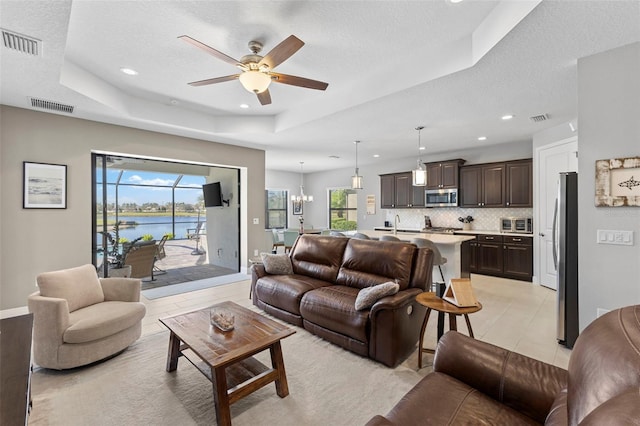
[(397, 191), (497, 185), (443, 175), (519, 184)]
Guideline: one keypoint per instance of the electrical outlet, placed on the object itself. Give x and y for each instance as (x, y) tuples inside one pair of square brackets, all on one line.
[(255, 252), (621, 238)]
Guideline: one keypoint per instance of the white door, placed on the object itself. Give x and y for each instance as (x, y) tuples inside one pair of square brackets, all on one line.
[(551, 159)]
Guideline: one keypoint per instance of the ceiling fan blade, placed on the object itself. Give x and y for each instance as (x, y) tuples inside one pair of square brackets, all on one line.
[(210, 50), (298, 81), (282, 52), (214, 80), (264, 97)]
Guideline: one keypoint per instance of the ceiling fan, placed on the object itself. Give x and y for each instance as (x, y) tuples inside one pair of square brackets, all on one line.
[(257, 71)]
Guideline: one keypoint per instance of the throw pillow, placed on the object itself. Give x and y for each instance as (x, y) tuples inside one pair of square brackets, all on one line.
[(370, 295), (80, 286), (277, 264)]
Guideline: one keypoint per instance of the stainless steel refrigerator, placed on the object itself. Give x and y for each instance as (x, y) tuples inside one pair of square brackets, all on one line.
[(565, 256)]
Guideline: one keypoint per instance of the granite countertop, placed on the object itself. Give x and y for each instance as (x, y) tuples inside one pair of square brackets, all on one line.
[(387, 229), (492, 232), (407, 235)]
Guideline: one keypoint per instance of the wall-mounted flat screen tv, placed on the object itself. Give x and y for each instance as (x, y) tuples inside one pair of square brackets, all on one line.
[(212, 194)]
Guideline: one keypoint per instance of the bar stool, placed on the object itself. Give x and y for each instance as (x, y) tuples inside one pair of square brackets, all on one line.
[(438, 260)]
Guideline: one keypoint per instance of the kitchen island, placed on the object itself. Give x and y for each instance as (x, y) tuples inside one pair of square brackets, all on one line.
[(450, 246)]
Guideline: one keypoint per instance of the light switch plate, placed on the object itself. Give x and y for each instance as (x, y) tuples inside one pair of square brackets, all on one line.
[(620, 238), (256, 221)]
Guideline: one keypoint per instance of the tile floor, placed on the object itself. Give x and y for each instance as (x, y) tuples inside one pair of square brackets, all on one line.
[(516, 315)]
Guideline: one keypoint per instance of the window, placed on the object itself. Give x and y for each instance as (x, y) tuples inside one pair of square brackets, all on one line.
[(343, 209), (276, 214)]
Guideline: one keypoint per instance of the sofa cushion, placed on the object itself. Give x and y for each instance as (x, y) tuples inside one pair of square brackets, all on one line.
[(80, 286), (452, 402), (102, 320), (369, 262), (286, 291), (370, 295), (318, 256), (333, 307), (277, 264)]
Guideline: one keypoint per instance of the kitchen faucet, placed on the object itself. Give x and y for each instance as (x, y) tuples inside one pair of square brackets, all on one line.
[(395, 224)]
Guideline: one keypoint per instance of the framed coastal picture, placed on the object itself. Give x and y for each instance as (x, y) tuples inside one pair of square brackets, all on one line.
[(44, 186), (297, 207), (618, 182)]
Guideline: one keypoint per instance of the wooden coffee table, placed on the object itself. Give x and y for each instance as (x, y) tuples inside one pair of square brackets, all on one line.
[(225, 358)]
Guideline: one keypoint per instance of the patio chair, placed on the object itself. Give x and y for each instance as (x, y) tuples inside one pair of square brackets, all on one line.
[(194, 234), (141, 258), (160, 254)]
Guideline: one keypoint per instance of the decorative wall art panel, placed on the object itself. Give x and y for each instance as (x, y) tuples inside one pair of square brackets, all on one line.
[(618, 182)]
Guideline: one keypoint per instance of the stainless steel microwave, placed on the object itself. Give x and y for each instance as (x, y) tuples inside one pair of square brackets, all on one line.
[(522, 225), (441, 197)]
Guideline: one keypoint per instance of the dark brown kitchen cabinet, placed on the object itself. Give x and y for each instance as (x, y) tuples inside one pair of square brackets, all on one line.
[(443, 175), (506, 184), (500, 256), (482, 185), (518, 258), (397, 191), (519, 176), (490, 256)]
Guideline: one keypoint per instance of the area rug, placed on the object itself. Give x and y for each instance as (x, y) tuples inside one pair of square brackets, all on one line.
[(328, 386)]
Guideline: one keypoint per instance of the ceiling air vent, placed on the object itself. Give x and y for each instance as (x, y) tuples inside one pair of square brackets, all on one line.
[(21, 43), (538, 118), (51, 106)]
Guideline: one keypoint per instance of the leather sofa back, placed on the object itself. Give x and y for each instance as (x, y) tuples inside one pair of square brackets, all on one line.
[(605, 365), (318, 256), (369, 262)]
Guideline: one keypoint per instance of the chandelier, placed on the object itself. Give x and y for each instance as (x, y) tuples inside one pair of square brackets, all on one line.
[(419, 174), (302, 197)]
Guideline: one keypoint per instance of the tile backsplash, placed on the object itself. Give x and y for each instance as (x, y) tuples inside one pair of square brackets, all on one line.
[(487, 219)]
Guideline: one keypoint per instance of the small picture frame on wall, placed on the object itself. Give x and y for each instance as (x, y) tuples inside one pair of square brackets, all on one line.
[(297, 207), (44, 186), (618, 182)]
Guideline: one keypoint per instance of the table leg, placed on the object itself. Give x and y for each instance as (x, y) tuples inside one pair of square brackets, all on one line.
[(440, 292), (453, 323), (466, 318), (174, 352), (422, 330), (277, 362), (221, 397)]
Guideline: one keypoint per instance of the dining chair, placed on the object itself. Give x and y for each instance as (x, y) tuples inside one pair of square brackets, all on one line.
[(290, 238)]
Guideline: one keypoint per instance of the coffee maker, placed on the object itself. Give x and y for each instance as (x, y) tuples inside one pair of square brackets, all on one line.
[(427, 222)]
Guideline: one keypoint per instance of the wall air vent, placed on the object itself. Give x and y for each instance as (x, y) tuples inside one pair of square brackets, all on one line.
[(51, 106), (21, 43), (538, 118)]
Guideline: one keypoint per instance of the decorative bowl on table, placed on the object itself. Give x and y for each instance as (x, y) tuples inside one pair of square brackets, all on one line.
[(222, 319)]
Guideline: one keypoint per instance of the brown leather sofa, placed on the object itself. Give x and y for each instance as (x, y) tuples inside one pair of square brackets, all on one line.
[(477, 383), (328, 273)]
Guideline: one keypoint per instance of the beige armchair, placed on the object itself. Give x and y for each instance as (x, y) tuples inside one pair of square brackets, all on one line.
[(80, 318)]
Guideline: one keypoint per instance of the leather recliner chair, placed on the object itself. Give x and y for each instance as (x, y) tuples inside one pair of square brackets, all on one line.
[(478, 383)]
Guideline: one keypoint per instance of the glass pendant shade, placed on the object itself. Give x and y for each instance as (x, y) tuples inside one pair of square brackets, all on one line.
[(356, 181), (255, 81), (302, 197), (419, 177)]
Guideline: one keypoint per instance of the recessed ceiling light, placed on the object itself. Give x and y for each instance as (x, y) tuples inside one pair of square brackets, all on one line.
[(507, 117), (422, 148), (482, 138), (244, 106), (174, 102), (455, 1), (129, 71), (376, 155)]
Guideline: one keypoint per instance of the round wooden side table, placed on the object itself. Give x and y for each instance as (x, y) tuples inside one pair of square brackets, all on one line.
[(432, 302)]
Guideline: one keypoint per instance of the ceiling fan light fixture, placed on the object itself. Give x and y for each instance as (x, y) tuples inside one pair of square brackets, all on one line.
[(255, 81)]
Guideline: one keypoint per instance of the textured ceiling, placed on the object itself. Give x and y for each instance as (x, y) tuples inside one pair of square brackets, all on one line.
[(390, 65)]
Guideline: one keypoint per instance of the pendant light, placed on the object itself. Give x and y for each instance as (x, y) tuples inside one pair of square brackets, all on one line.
[(356, 180), (302, 197), (419, 174)]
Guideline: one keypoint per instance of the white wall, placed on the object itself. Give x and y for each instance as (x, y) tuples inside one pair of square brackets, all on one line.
[(36, 240), (608, 127), (223, 231)]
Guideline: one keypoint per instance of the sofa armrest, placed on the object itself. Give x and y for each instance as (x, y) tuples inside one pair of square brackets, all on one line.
[(522, 383), (257, 271), (121, 289), (398, 300), (378, 420), (50, 320)]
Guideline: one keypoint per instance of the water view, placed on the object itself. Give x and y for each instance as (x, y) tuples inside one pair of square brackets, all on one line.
[(136, 226)]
